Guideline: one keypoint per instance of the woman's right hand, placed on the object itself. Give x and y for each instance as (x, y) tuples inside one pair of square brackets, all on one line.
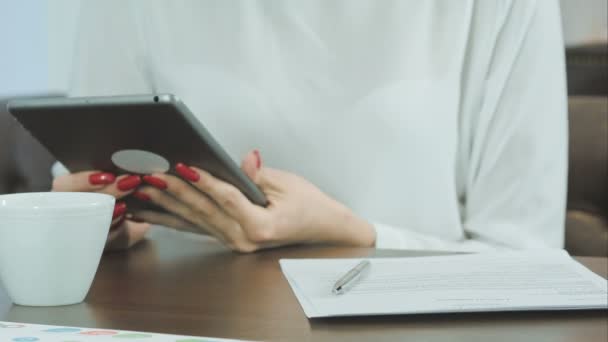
[(124, 233)]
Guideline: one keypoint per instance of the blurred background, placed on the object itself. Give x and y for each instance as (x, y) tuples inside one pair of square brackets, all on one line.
[(36, 34), (584, 21)]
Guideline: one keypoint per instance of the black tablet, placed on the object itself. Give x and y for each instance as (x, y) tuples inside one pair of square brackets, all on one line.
[(138, 134)]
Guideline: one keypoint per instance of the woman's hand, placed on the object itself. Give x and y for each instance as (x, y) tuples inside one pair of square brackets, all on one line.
[(123, 233), (298, 212)]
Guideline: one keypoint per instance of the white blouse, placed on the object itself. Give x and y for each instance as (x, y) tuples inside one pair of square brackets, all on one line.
[(441, 122)]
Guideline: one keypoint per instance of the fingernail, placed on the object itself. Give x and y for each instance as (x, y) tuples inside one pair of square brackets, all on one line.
[(119, 209), (187, 172), (141, 196), (258, 159), (155, 182), (128, 183), (102, 178)]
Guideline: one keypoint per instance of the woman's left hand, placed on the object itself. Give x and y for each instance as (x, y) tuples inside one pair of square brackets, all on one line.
[(298, 212)]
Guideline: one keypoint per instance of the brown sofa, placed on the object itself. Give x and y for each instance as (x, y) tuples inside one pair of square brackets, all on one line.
[(587, 217)]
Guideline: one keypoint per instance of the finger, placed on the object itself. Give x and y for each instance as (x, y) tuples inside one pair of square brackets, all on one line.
[(127, 235), (225, 195), (197, 201), (83, 181), (117, 221), (124, 186), (239, 244), (189, 213), (95, 181), (169, 203), (251, 164), (115, 232), (167, 220), (120, 208), (171, 221), (262, 176)]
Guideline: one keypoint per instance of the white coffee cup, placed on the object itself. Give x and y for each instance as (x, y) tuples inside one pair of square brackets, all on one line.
[(51, 244)]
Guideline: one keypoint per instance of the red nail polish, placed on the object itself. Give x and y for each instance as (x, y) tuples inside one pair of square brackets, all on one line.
[(128, 183), (141, 196), (187, 172), (102, 178), (155, 182), (119, 209), (258, 159)]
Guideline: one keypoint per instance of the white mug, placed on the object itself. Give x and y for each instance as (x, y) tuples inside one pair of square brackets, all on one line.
[(51, 244)]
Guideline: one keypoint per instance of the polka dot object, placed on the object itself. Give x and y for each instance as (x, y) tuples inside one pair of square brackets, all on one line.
[(132, 335), (62, 330), (98, 333)]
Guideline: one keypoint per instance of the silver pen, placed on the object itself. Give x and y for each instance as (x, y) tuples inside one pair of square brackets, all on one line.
[(351, 277)]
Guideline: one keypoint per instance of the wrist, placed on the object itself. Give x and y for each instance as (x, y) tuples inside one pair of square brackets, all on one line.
[(347, 228)]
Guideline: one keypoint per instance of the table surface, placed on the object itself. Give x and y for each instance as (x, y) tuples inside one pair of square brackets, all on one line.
[(182, 284)]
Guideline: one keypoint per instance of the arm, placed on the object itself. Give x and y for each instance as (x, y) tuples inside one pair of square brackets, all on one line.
[(515, 184)]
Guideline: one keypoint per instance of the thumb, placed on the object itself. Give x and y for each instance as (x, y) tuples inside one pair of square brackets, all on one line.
[(264, 177), (251, 165), (83, 181)]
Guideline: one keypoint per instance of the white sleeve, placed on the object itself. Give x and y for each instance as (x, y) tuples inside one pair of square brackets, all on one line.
[(517, 168), (109, 51), (107, 58), (389, 237), (58, 169)]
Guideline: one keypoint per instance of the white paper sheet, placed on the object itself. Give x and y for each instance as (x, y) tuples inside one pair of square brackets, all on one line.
[(25, 332), (501, 281)]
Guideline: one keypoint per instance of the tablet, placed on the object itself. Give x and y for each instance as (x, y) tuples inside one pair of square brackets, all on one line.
[(139, 134)]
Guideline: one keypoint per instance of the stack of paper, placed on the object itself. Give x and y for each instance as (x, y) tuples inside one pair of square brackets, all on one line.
[(25, 332), (501, 281)]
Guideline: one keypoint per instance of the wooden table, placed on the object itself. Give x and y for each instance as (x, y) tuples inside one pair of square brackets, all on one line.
[(181, 284)]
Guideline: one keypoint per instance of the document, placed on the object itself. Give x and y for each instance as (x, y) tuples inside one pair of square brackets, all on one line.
[(25, 332), (493, 281)]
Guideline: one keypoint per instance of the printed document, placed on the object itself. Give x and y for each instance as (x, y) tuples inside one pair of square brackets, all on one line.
[(493, 281)]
